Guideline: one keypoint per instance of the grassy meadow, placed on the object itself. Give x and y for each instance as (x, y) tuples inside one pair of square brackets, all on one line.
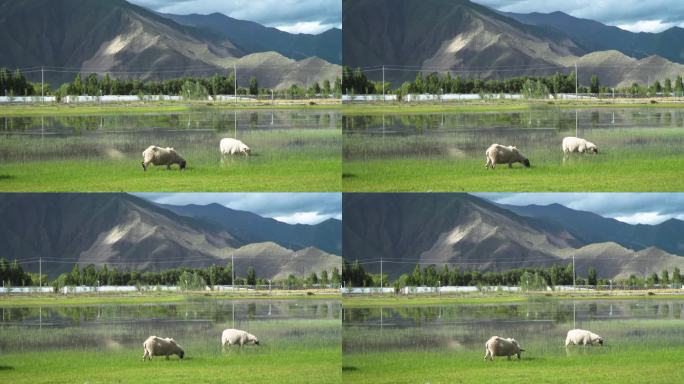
[(291, 159), (629, 364), (303, 359), (420, 154), (443, 342), (300, 342)]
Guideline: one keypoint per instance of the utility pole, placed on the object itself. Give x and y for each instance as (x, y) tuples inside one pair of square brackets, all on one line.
[(235, 81), (42, 85), (40, 272), (576, 82), (573, 272), (383, 94), (381, 272), (232, 271)]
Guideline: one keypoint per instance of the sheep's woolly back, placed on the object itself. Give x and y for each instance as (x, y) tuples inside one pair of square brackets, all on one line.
[(498, 346), (237, 336), (230, 146), (161, 156), (504, 154), (581, 337), (157, 346)]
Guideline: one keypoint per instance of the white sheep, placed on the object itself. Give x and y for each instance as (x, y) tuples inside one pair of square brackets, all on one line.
[(501, 154), (498, 346), (156, 346), (162, 156), (575, 144), (229, 146), (582, 337), (237, 337)]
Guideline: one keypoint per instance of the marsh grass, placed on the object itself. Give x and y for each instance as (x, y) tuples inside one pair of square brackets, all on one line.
[(282, 160), (628, 160), (300, 343), (445, 344)]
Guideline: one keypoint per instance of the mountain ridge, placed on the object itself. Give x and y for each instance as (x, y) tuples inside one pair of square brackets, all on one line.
[(472, 233), (253, 37), (129, 41), (471, 40), (132, 233)]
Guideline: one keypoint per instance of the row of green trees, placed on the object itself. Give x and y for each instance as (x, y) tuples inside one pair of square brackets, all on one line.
[(355, 275), (15, 84), (12, 274), (356, 82)]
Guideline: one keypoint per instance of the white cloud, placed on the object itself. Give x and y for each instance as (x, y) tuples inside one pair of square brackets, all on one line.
[(654, 26), (309, 27), (271, 13), (306, 218), (633, 15), (633, 208), (304, 208)]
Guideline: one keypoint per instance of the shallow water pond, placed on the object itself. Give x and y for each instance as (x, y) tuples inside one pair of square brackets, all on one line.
[(195, 325), (540, 327), (299, 342), (537, 132), (194, 135), (639, 150), (290, 151)]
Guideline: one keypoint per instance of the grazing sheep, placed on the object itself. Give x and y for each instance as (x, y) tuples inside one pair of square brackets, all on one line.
[(236, 336), (582, 337), (230, 146), (500, 154), (156, 346), (498, 346), (162, 156), (575, 144)]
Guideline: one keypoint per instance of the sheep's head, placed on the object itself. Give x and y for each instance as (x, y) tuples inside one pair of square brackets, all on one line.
[(179, 350), (182, 163), (592, 148), (245, 149), (600, 341), (526, 162), (515, 342)]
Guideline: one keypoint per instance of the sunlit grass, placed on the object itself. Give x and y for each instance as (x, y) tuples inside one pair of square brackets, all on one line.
[(282, 160), (629, 160), (444, 342), (300, 343)]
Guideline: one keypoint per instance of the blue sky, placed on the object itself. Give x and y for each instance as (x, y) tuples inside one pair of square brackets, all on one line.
[(294, 16), (632, 15), (302, 208), (633, 208)]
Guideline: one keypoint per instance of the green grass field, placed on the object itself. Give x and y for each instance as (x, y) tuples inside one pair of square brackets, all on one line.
[(442, 340), (288, 160), (145, 107), (631, 365), (252, 365), (51, 300), (294, 175), (661, 174), (291, 351), (494, 106), (373, 301)]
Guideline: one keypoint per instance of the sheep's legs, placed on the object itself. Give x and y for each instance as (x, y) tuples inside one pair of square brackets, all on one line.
[(510, 165)]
